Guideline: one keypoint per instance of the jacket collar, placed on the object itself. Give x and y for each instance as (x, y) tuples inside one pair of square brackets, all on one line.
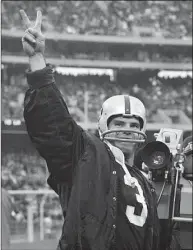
[(120, 158)]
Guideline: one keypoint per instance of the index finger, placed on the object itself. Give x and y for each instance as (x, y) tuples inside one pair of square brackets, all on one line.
[(25, 19), (38, 20)]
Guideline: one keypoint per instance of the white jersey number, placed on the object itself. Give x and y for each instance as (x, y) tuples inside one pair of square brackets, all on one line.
[(138, 220)]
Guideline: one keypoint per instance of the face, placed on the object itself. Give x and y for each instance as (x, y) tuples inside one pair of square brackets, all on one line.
[(128, 124)]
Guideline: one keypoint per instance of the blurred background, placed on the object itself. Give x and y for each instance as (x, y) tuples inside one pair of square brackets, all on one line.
[(98, 49)]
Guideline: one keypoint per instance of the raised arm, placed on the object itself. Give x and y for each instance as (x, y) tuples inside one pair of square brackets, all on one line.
[(54, 133)]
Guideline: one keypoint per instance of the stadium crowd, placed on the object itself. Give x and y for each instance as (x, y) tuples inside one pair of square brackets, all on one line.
[(125, 18), (140, 53), (125, 53), (22, 171), (157, 94)]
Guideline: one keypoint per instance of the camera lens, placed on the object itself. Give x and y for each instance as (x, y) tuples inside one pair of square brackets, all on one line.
[(158, 158)]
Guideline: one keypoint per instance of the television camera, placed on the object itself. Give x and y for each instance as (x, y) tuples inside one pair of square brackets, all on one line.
[(169, 166)]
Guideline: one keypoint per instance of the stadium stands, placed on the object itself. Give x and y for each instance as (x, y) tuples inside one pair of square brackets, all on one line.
[(22, 171), (126, 18), (156, 95)]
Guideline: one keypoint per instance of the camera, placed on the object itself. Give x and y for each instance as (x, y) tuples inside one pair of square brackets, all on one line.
[(168, 162), (163, 155), (168, 165)]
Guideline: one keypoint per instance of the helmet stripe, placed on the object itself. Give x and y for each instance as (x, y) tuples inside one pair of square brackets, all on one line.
[(127, 105)]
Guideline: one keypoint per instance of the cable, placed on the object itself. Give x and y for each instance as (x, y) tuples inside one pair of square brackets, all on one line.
[(165, 180), (159, 198)]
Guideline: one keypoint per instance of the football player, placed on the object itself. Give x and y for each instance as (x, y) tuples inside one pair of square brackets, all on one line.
[(111, 205)]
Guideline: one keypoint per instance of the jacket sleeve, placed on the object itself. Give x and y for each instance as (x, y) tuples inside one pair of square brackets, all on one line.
[(55, 135)]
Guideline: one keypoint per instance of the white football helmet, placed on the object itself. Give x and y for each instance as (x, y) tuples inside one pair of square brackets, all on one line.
[(127, 106)]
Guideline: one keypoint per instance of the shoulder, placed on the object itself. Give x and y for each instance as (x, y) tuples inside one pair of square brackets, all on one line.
[(94, 141)]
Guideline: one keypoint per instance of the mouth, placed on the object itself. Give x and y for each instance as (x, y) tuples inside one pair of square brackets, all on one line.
[(125, 136)]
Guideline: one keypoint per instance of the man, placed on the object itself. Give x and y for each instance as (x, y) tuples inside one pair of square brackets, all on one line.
[(111, 204)]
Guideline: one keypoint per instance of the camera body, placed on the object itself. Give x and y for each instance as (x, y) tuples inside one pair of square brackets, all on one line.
[(163, 155)]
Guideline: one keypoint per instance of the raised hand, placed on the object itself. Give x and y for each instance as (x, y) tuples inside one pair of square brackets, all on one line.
[(33, 40)]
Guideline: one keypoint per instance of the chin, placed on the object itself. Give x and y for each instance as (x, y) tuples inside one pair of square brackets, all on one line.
[(125, 147)]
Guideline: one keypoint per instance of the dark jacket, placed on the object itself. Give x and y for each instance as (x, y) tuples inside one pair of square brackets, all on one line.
[(82, 161)]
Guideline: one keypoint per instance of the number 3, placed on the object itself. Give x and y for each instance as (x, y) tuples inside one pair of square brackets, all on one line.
[(138, 220)]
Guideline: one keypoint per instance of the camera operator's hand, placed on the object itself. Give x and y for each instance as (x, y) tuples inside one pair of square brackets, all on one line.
[(33, 41)]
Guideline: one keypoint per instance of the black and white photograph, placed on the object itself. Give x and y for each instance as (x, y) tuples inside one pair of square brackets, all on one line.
[(96, 125)]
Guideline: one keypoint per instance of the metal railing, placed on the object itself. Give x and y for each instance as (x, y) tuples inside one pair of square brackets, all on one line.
[(40, 215)]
